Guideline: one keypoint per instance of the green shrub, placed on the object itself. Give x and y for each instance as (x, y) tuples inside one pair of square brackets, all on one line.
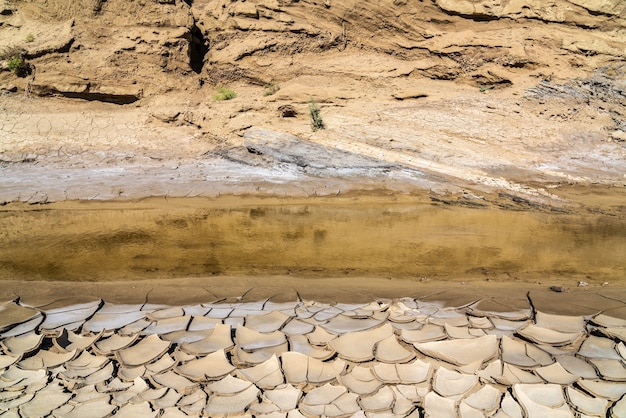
[(16, 62), (29, 38), (271, 89), (224, 93), (316, 119)]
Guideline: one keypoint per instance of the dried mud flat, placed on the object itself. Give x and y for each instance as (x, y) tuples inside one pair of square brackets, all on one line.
[(400, 357)]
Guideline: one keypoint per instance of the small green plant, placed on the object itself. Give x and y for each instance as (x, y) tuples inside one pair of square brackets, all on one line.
[(16, 62), (316, 119), (271, 89), (224, 93), (29, 38)]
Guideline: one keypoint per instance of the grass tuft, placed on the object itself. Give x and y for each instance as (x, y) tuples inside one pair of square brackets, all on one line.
[(317, 122), (16, 62), (224, 93)]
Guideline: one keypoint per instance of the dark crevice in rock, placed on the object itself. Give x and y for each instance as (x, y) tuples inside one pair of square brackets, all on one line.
[(101, 97), (198, 48), (477, 17)]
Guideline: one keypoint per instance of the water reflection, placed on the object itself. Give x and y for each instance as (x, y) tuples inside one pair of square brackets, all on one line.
[(98, 241)]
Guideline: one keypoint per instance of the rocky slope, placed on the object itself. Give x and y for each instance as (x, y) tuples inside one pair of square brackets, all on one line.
[(491, 96)]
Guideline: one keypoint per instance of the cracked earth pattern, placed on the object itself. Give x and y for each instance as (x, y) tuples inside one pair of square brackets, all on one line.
[(400, 357)]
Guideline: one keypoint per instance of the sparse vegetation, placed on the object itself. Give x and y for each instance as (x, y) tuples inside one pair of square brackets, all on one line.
[(271, 89), (29, 38), (316, 119), (224, 93), (16, 62)]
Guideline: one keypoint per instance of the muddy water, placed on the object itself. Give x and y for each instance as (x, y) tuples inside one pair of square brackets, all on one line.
[(360, 237)]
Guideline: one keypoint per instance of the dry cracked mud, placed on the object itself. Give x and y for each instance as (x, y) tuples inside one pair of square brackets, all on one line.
[(389, 357)]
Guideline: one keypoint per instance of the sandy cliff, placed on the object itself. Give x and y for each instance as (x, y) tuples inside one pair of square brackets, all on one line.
[(510, 97)]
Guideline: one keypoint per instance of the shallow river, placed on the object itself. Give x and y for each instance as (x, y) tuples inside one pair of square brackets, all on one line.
[(361, 237)]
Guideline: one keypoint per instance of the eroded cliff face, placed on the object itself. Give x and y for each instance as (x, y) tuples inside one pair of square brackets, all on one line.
[(130, 48), (491, 95)]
